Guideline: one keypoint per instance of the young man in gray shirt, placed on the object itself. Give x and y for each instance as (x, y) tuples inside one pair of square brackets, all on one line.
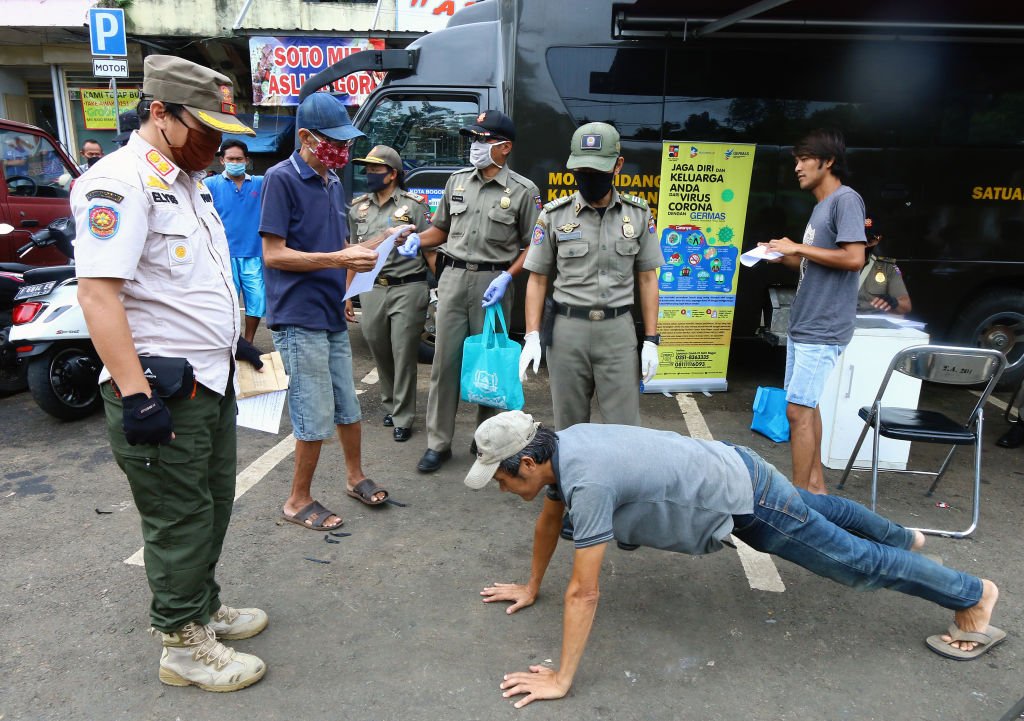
[(822, 317), (654, 488)]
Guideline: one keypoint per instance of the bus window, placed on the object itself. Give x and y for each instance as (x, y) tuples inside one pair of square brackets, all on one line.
[(612, 85), (424, 129)]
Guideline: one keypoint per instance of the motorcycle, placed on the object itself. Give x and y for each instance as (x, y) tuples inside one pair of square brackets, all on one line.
[(50, 335), (14, 277)]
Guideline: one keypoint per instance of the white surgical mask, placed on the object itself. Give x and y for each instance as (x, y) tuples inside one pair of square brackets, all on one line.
[(480, 155)]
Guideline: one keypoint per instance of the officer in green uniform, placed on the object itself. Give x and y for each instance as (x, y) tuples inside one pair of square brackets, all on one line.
[(393, 313), (594, 241), (882, 289), (485, 214), (154, 281)]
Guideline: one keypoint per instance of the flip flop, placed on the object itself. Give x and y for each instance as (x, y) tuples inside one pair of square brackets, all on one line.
[(315, 513), (365, 490), (986, 641)]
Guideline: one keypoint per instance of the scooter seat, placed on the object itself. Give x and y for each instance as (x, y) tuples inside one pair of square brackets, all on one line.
[(42, 275), (15, 267)]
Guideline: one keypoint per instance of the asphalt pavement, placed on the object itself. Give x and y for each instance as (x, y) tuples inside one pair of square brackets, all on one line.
[(387, 623)]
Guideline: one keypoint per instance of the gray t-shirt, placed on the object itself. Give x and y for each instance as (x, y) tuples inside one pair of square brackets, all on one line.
[(825, 308), (649, 488)]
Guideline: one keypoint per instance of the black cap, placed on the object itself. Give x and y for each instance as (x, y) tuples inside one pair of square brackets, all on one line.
[(129, 122), (491, 124)]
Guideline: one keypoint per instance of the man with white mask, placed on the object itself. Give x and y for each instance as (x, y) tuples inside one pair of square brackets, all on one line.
[(486, 216)]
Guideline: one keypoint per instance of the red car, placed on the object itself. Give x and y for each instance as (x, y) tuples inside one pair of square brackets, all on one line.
[(36, 190)]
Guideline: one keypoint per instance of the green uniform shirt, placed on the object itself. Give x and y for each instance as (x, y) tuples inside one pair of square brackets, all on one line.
[(883, 278), (487, 221), (367, 217), (595, 256)]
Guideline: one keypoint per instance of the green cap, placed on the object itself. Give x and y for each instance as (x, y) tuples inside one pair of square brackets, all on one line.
[(205, 93), (381, 155), (594, 146)]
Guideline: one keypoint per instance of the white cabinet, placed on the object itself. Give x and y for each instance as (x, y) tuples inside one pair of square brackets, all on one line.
[(853, 384)]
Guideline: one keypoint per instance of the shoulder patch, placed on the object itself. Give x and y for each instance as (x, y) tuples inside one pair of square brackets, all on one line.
[(558, 202), (105, 194), (359, 199), (633, 200), (415, 196)]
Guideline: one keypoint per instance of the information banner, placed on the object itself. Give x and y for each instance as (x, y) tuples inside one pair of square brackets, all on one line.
[(98, 106), (701, 214), (281, 65)]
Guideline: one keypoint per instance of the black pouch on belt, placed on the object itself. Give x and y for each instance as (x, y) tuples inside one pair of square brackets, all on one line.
[(169, 377), (547, 323)]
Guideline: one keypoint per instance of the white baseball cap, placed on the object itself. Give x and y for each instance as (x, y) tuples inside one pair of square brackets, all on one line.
[(499, 437)]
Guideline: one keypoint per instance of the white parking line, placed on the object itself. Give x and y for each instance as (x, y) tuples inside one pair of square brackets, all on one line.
[(244, 480), (762, 575), (1001, 405)]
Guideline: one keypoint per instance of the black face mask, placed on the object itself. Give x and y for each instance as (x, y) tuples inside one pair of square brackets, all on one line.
[(92, 161), (376, 181), (594, 186)]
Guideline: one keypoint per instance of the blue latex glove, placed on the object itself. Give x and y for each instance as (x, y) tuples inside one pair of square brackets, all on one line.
[(496, 290), (410, 247)]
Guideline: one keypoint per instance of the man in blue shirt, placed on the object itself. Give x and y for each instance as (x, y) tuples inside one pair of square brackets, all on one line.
[(236, 196), (304, 229), (646, 487)]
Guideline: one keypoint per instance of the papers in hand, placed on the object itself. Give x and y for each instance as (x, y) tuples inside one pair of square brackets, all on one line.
[(261, 396), (756, 255), (363, 282)]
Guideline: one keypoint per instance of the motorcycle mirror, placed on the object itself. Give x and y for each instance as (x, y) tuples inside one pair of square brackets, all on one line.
[(6, 228)]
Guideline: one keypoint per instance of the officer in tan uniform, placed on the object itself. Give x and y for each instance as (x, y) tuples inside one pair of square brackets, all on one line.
[(394, 312), (154, 280), (882, 289), (594, 241), (486, 215)]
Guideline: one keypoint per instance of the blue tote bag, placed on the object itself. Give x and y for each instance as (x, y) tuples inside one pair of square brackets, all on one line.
[(770, 414), (490, 366)]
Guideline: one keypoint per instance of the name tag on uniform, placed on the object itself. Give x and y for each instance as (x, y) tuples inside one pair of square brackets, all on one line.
[(458, 199), (575, 235)]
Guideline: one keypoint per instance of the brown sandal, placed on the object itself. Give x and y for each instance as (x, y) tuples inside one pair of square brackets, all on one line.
[(315, 514), (365, 490)]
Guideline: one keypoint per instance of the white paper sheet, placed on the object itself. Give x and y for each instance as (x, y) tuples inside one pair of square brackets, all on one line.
[(262, 412), (757, 254), (363, 282)]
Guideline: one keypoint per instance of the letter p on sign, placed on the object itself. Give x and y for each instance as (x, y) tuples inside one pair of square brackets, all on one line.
[(106, 32)]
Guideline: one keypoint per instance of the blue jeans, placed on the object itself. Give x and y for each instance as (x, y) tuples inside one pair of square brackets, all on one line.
[(842, 540), (321, 390)]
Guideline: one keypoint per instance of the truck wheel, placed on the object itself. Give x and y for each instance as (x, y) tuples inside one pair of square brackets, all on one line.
[(996, 321), (63, 382), (13, 375)]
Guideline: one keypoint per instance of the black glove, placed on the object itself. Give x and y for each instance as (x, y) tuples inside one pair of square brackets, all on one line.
[(893, 303), (246, 351), (146, 420)]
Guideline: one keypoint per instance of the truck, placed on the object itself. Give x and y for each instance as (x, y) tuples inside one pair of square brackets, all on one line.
[(930, 102)]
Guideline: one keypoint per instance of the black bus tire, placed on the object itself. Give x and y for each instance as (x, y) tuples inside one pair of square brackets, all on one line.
[(996, 320), (58, 383)]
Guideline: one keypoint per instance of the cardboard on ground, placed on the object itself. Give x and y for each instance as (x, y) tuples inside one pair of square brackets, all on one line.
[(273, 378)]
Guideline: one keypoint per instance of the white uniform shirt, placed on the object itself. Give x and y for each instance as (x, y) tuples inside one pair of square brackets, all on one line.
[(141, 218)]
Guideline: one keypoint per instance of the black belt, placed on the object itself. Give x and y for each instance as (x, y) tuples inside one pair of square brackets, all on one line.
[(390, 282), (575, 311), (486, 267)]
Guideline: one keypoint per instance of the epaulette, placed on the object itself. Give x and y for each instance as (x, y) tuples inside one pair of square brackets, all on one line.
[(522, 180), (558, 202), (361, 198), (884, 259), (416, 196), (460, 171), (633, 200)]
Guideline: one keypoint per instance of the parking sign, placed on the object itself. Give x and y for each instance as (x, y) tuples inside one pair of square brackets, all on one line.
[(106, 32)]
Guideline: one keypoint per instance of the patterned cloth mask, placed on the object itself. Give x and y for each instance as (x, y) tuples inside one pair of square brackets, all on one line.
[(330, 155)]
